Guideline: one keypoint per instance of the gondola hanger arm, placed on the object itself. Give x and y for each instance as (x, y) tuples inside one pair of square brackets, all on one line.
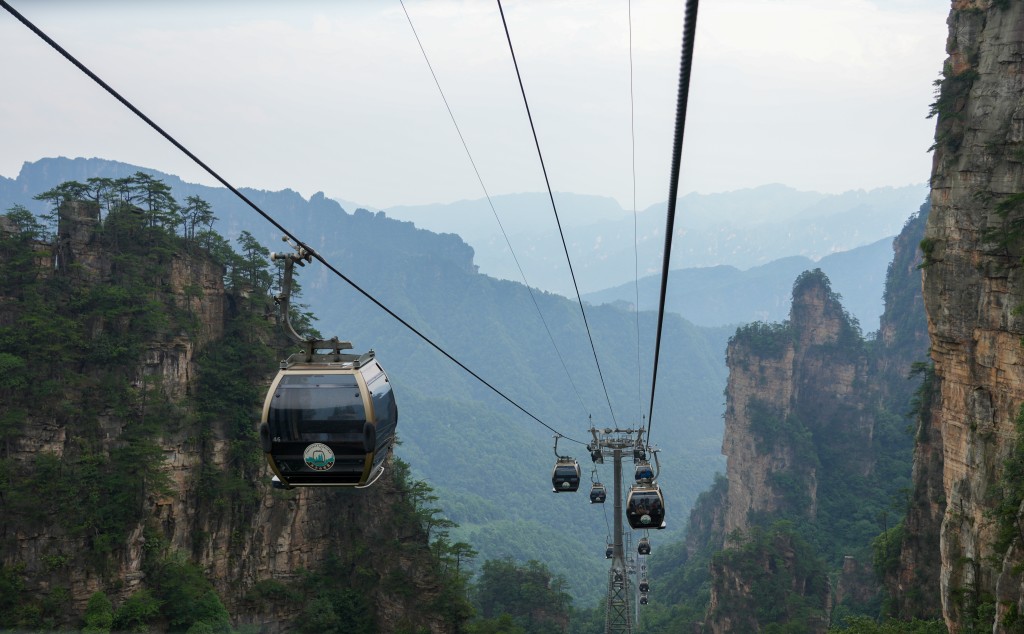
[(333, 347)]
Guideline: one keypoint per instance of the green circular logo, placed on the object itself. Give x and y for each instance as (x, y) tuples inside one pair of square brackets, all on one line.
[(318, 457)]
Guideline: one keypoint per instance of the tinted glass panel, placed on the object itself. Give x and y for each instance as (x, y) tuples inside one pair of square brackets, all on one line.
[(316, 407), (385, 410), (566, 472)]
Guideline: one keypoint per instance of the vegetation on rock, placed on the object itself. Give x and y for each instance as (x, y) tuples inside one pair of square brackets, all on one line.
[(103, 302)]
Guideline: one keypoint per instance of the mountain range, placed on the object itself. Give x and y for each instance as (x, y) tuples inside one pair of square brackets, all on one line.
[(489, 462), (744, 229), (723, 294)]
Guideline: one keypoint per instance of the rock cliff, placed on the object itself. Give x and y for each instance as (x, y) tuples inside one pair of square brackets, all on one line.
[(791, 386), (973, 290), (202, 499), (816, 453)]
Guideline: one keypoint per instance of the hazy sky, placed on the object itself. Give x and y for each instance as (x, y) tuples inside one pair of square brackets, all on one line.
[(826, 95)]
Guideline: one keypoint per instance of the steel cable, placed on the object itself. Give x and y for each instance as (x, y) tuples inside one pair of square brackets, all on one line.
[(487, 195), (685, 64), (636, 256), (554, 208)]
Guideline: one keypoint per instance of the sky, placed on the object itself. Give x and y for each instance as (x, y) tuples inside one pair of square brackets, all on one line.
[(821, 95)]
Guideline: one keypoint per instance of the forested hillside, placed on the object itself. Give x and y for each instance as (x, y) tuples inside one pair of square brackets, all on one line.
[(489, 463), (135, 350)]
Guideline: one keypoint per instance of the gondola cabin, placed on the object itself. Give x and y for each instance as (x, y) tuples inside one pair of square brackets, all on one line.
[(643, 599), (565, 477), (608, 552), (644, 586), (645, 506), (598, 494), (643, 472), (643, 547), (329, 422)]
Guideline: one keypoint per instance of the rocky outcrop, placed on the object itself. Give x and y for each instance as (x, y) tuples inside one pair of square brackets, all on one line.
[(814, 437), (766, 383), (973, 286), (784, 384), (790, 386)]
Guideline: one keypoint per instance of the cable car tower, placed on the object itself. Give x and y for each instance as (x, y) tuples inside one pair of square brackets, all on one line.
[(613, 443)]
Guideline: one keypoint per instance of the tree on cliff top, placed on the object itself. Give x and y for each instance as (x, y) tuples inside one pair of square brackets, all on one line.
[(72, 344)]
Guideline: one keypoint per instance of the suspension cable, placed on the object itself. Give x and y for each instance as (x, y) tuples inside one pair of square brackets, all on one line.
[(554, 208), (636, 256), (265, 215), (685, 64), (487, 195)]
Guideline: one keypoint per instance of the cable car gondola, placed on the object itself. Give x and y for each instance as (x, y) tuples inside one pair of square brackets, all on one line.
[(608, 552), (598, 493), (645, 506), (565, 477), (329, 418), (329, 422), (643, 547), (643, 599), (644, 586)]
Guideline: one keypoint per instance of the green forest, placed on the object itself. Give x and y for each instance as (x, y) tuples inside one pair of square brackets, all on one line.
[(77, 327), (87, 423), (489, 463)]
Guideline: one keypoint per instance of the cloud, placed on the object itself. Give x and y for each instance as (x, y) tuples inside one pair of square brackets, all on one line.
[(337, 97)]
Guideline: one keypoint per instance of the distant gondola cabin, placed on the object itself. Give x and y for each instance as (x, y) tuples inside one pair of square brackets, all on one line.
[(565, 477), (643, 547)]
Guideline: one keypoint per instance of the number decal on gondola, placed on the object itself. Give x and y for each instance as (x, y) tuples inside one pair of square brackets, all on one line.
[(318, 457)]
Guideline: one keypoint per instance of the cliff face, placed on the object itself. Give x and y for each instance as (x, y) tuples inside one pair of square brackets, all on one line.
[(913, 581), (972, 288), (243, 538), (816, 453), (785, 386), (789, 384)]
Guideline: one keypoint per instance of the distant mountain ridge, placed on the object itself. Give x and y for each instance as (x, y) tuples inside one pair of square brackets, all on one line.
[(743, 228), (317, 216), (719, 295)]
